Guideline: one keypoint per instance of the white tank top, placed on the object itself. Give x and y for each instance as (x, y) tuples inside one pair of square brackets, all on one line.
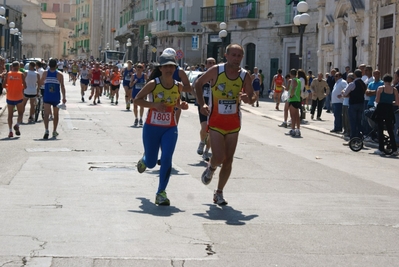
[(84, 74), (31, 82)]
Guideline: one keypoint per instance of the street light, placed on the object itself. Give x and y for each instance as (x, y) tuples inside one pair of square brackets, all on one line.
[(223, 35), (146, 43), (301, 21), (117, 45), (128, 44), (12, 31), (107, 46)]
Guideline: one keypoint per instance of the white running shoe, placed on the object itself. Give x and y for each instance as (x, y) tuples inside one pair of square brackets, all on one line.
[(200, 149)]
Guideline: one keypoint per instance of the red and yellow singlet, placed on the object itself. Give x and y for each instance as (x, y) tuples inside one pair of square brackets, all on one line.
[(169, 97), (225, 115)]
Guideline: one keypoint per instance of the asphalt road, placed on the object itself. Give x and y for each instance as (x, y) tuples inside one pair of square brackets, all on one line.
[(78, 200)]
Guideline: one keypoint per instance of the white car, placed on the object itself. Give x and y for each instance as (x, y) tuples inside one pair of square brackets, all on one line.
[(192, 75)]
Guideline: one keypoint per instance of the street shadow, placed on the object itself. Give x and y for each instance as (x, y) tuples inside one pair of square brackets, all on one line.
[(227, 214), (201, 163), (10, 138), (47, 140), (173, 172), (147, 207)]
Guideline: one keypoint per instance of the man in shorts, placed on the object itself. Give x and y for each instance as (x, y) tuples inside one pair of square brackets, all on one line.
[(15, 85), (294, 102), (53, 81), (31, 91), (277, 87), (230, 85), (204, 137)]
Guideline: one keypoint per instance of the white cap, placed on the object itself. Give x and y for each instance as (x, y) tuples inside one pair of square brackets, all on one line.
[(169, 51)]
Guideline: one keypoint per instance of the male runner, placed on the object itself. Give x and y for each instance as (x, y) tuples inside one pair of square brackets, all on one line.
[(230, 84)]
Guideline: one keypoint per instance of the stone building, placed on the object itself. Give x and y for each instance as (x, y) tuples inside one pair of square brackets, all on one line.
[(266, 31), (352, 32)]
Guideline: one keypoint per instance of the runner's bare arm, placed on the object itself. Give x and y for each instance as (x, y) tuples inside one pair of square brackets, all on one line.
[(248, 96), (61, 80), (140, 99), (185, 81), (210, 75)]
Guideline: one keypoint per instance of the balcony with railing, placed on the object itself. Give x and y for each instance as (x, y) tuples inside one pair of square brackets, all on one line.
[(244, 11), (186, 28), (213, 14), (142, 16)]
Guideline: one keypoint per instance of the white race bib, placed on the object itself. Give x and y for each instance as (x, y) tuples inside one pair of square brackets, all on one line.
[(227, 107), (161, 118), (96, 82), (139, 85), (127, 78)]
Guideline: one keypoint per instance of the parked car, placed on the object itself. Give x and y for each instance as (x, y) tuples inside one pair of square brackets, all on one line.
[(192, 75)]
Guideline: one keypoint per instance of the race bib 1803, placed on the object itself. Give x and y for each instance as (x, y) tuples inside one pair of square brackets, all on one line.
[(226, 107), (161, 118)]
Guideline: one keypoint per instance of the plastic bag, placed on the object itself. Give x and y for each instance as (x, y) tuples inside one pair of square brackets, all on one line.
[(271, 94), (284, 96)]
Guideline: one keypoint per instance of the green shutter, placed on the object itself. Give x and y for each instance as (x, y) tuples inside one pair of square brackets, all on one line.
[(173, 14), (181, 14), (141, 31), (252, 13), (220, 10), (288, 12), (120, 22)]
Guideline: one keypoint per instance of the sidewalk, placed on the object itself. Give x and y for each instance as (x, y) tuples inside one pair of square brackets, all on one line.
[(3, 103), (267, 109)]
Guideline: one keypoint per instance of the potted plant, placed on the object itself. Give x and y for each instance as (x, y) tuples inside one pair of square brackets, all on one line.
[(178, 23), (194, 23)]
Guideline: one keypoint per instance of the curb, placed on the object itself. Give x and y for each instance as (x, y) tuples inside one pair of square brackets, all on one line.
[(3, 104), (306, 126)]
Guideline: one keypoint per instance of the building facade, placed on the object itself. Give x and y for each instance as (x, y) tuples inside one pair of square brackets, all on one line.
[(353, 32), (266, 31)]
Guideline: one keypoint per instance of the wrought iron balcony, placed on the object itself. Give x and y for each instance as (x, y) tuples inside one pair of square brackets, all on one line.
[(244, 11), (214, 14)]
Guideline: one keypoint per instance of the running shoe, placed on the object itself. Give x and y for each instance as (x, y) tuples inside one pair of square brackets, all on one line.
[(31, 120), (161, 199), (141, 122), (284, 124), (98, 101), (83, 99), (290, 132), (395, 154), (112, 100), (90, 97), (16, 129), (200, 149), (55, 134), (116, 102), (127, 106), (94, 103), (218, 198), (297, 133), (206, 156), (141, 166), (46, 134), (136, 121), (10, 135), (207, 175)]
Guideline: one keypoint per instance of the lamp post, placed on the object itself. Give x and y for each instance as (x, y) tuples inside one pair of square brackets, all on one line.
[(146, 43), (129, 45), (223, 35), (3, 21), (11, 36), (301, 20), (117, 45)]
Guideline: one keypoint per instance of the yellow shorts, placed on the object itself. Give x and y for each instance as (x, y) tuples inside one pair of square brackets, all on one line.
[(225, 132), (278, 89)]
